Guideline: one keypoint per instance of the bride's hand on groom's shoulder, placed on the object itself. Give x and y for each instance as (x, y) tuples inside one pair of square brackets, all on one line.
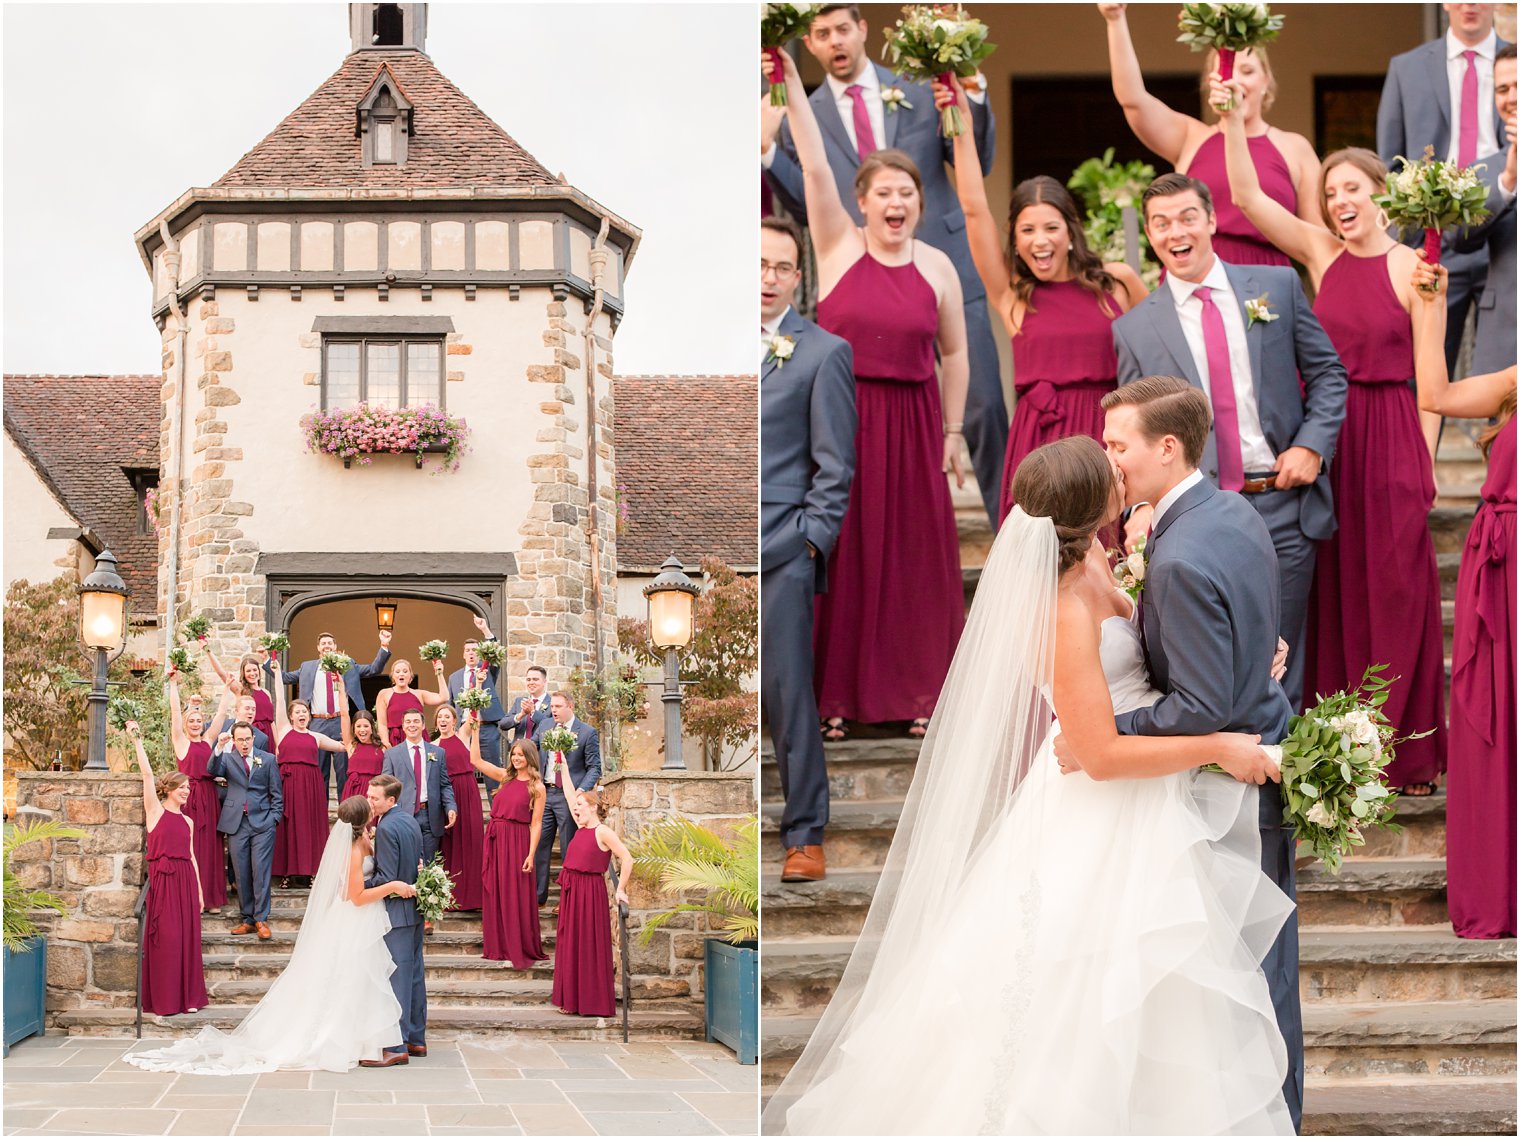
[(1244, 758)]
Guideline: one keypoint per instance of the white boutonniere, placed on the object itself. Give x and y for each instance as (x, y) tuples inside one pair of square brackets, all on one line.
[(893, 99), (257, 762), (782, 348), (1258, 311), (1129, 569)]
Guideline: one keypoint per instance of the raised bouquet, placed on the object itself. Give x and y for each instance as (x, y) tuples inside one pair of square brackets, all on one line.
[(1431, 195), (1332, 768), (557, 739), (435, 890), (181, 661), (473, 699), (119, 710), (274, 644), (779, 25), (335, 662), (433, 650), (198, 627), (494, 653), (1227, 28), (935, 42)]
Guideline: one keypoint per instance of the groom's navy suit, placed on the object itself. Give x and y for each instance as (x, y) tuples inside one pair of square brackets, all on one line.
[(251, 809), (1209, 620), (807, 461), (398, 847), (1300, 388)]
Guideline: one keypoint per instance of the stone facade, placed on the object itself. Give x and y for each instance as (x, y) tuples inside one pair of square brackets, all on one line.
[(671, 963)]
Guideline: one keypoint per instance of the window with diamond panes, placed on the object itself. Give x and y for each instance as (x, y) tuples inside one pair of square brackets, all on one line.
[(390, 372)]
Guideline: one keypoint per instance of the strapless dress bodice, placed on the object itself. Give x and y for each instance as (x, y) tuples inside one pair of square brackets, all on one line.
[(1123, 659)]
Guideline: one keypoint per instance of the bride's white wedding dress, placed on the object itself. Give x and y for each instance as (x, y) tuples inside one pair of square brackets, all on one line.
[(1087, 964), (331, 1007)]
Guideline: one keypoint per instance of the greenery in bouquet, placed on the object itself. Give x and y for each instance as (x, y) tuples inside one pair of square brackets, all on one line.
[(120, 709), (935, 42), (181, 661), (493, 653), (198, 627), (779, 25), (557, 739), (433, 650), (274, 642), (335, 662), (1431, 195), (473, 700), (1104, 189), (677, 854), (1129, 569), (1227, 28), (435, 890)]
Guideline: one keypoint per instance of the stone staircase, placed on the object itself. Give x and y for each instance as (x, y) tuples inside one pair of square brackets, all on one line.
[(1408, 1029), (466, 993)]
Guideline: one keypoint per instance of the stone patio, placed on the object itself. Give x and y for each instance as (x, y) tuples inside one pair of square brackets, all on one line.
[(58, 1085)]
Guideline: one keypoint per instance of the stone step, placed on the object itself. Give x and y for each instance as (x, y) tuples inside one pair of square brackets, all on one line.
[(1484, 1106), (441, 966), (864, 767), (480, 991), (443, 940), (1349, 1041), (445, 1022)]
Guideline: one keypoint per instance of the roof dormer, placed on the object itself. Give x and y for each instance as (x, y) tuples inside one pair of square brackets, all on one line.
[(387, 26), (383, 121)]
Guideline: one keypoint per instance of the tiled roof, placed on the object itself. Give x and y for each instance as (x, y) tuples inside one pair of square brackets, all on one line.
[(688, 465), (78, 432), (455, 143)]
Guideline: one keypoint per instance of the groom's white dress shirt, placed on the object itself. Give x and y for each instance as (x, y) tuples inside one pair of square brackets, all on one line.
[(1174, 494)]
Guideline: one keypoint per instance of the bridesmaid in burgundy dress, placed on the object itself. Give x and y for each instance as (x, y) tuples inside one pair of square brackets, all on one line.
[(173, 976), (583, 981), (888, 625), (510, 917), (249, 682), (1286, 163), (1480, 782), (191, 740), (400, 698), (1377, 592), (1058, 302), (302, 830), (365, 755), (462, 844)]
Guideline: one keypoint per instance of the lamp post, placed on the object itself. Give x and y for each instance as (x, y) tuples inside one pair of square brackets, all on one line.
[(102, 627), (672, 599), (385, 615)]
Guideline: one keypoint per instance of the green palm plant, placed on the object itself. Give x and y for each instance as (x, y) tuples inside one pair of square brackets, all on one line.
[(19, 904), (678, 854)]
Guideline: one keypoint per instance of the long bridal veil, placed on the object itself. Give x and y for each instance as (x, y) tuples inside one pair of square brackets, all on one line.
[(993, 715), (331, 1006)]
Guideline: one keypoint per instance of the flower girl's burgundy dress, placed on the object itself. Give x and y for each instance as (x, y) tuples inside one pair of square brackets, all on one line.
[(583, 940)]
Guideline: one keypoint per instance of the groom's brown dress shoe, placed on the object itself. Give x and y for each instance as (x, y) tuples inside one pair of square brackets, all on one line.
[(263, 928), (803, 864), (246, 927), (390, 1061), (416, 1049)]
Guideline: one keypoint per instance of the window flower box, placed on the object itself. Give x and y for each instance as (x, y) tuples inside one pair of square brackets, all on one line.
[(361, 432)]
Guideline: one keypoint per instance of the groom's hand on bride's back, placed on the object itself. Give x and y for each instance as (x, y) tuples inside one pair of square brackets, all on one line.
[(1244, 758)]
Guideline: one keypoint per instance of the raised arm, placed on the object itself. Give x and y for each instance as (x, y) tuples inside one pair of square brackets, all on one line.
[(281, 723), (377, 666), (828, 220), (219, 717), (152, 809), (221, 673), (982, 229), (1155, 124), (1477, 397), (441, 696), (346, 724), (489, 770), (177, 736)]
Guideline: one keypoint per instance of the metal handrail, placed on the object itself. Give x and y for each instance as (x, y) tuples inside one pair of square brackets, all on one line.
[(623, 954), (140, 911)]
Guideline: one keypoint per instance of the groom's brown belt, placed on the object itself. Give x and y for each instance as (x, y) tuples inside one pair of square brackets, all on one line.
[(1260, 485)]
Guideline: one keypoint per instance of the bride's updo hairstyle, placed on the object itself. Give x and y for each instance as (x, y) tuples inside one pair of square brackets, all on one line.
[(1070, 482), (355, 812)]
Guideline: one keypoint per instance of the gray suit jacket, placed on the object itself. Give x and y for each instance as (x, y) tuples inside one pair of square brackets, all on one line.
[(914, 131), (494, 711), (1495, 346), (440, 789), (305, 678), (1415, 109), (1150, 342), (259, 790), (807, 446)]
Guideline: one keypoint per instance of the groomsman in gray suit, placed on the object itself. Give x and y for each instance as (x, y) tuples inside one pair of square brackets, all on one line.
[(1441, 94), (807, 459), (855, 120), (254, 803), (320, 690), (1494, 349), (477, 674), (531, 712), (1244, 335)]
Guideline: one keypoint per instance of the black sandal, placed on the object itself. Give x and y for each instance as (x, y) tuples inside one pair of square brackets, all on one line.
[(834, 729)]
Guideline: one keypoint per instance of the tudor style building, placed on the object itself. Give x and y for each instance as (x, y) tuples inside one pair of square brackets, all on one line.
[(388, 242)]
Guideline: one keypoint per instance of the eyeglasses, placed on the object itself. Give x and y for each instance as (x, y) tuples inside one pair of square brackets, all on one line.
[(781, 269)]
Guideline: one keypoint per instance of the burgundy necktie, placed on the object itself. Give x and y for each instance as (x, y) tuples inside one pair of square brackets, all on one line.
[(865, 137), (1467, 118), (332, 696), (417, 774), (1216, 348)]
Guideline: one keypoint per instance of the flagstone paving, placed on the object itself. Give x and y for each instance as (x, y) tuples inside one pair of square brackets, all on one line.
[(58, 1085)]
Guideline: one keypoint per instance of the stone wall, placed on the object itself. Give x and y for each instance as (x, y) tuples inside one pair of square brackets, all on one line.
[(671, 963), (92, 949)]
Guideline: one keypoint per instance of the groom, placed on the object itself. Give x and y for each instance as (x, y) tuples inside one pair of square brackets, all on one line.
[(398, 850), (1209, 621)]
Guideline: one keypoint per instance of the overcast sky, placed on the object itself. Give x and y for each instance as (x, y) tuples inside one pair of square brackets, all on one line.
[(112, 111)]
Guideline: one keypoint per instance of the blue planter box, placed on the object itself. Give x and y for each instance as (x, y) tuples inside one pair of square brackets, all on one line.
[(25, 991), (733, 997)]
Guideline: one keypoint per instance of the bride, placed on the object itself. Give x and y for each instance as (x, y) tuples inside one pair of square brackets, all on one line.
[(1052, 953), (332, 1005)]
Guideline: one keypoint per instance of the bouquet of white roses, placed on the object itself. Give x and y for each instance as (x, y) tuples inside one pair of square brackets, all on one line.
[(435, 890), (181, 661), (493, 653), (335, 662), (936, 42), (1431, 195), (433, 650), (274, 644), (1332, 768), (473, 699), (1129, 569), (557, 739), (1227, 28), (779, 25)]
